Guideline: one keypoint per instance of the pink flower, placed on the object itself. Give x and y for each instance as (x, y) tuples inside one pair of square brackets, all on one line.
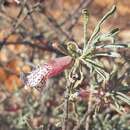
[(83, 94), (37, 78)]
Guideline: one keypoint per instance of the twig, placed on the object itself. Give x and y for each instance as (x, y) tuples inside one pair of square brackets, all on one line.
[(10, 19), (18, 23), (24, 5), (31, 18), (66, 109), (76, 14), (84, 117), (89, 109), (55, 26), (22, 8), (28, 43), (53, 23), (30, 11)]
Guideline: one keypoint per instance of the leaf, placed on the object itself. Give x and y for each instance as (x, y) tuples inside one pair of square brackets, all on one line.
[(108, 54), (98, 27), (15, 65), (3, 74), (113, 46), (26, 68), (123, 97), (97, 68), (3, 55), (102, 73), (106, 36), (103, 4), (12, 38), (2, 35), (123, 89), (86, 61), (17, 48), (12, 83)]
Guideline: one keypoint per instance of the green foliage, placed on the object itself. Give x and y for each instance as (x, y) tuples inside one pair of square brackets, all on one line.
[(104, 121), (109, 94), (102, 105)]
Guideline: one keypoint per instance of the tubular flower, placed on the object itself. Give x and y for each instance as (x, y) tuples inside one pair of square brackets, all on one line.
[(83, 94), (37, 78)]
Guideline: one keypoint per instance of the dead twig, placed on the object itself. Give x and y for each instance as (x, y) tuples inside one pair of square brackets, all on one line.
[(56, 27), (29, 43), (76, 14)]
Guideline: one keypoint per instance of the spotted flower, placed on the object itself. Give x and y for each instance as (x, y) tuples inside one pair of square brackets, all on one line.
[(37, 78)]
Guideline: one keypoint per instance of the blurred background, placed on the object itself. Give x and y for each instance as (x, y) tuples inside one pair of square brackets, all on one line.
[(28, 31)]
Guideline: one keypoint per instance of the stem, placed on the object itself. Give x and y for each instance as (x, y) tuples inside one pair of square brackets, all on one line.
[(87, 113), (66, 104), (66, 109), (85, 17), (89, 103), (89, 109)]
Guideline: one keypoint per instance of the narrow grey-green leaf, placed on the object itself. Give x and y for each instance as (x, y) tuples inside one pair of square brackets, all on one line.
[(98, 27)]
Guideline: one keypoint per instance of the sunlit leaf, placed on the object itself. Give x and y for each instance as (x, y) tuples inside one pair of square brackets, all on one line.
[(12, 83)]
